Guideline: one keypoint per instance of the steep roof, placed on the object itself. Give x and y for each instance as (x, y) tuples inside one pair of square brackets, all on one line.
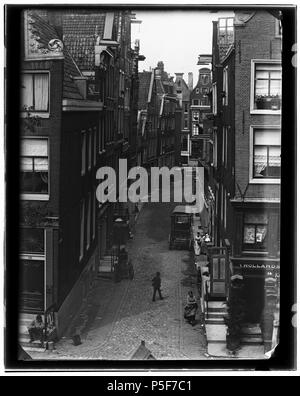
[(41, 32), (144, 86), (80, 30)]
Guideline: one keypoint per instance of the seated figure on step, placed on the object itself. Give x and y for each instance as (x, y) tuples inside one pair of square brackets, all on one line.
[(36, 329)]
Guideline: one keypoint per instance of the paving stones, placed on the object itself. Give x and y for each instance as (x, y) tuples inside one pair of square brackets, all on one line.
[(125, 313)]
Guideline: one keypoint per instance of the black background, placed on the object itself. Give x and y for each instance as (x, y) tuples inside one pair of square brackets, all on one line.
[(284, 357)]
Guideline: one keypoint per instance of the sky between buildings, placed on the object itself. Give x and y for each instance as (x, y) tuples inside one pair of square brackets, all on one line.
[(176, 38)]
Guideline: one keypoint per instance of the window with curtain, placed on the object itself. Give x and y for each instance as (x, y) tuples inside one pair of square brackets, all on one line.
[(255, 231), (35, 91), (34, 166), (267, 86), (266, 153)]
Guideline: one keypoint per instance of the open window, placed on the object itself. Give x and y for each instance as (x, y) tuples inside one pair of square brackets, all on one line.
[(266, 87), (265, 166)]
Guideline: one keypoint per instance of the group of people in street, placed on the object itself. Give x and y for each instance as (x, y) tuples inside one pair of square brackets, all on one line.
[(200, 242), (191, 306)]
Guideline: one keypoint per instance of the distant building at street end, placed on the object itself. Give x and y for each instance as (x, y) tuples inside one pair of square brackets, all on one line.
[(183, 130)]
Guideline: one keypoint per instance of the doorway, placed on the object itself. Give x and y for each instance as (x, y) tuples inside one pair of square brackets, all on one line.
[(32, 284), (254, 298)]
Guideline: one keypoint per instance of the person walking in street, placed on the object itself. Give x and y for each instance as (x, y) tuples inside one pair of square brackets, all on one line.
[(156, 283), (191, 308)]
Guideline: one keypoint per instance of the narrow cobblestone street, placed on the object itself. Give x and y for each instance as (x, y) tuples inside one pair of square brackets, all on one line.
[(117, 316)]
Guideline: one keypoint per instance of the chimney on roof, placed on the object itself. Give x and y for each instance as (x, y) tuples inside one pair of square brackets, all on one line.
[(190, 81), (179, 75), (160, 66)]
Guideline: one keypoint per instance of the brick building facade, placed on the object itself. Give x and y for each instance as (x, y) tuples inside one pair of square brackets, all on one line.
[(244, 179), (78, 114)]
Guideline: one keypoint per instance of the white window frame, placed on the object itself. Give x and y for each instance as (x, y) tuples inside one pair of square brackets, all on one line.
[(214, 95), (252, 83), (225, 86), (41, 114), (39, 197), (253, 180)]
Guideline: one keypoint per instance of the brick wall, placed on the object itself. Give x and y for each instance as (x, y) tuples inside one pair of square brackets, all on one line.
[(255, 40)]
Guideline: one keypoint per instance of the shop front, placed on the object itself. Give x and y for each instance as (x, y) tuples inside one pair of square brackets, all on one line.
[(258, 276)]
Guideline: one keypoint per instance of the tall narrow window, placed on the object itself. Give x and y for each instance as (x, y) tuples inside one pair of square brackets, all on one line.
[(225, 86), (81, 230), (35, 92), (94, 213), (88, 223), (34, 166), (214, 97), (95, 145), (90, 152), (83, 152)]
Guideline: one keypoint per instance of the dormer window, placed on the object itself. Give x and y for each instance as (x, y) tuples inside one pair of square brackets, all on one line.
[(225, 31)]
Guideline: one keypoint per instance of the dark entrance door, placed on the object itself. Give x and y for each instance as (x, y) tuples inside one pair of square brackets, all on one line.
[(254, 298), (32, 285), (218, 258)]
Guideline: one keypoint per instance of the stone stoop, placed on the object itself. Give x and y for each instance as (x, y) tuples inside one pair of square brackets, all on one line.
[(252, 335), (216, 313), (24, 340)]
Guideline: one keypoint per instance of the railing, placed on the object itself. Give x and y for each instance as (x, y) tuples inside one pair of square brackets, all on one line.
[(49, 319)]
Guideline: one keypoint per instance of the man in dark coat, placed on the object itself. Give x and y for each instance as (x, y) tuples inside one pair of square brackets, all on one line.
[(156, 283)]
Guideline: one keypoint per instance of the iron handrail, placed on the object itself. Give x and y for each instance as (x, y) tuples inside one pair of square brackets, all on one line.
[(51, 308)]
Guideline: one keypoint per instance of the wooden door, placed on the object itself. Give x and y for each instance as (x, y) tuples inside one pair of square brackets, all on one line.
[(218, 258)]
